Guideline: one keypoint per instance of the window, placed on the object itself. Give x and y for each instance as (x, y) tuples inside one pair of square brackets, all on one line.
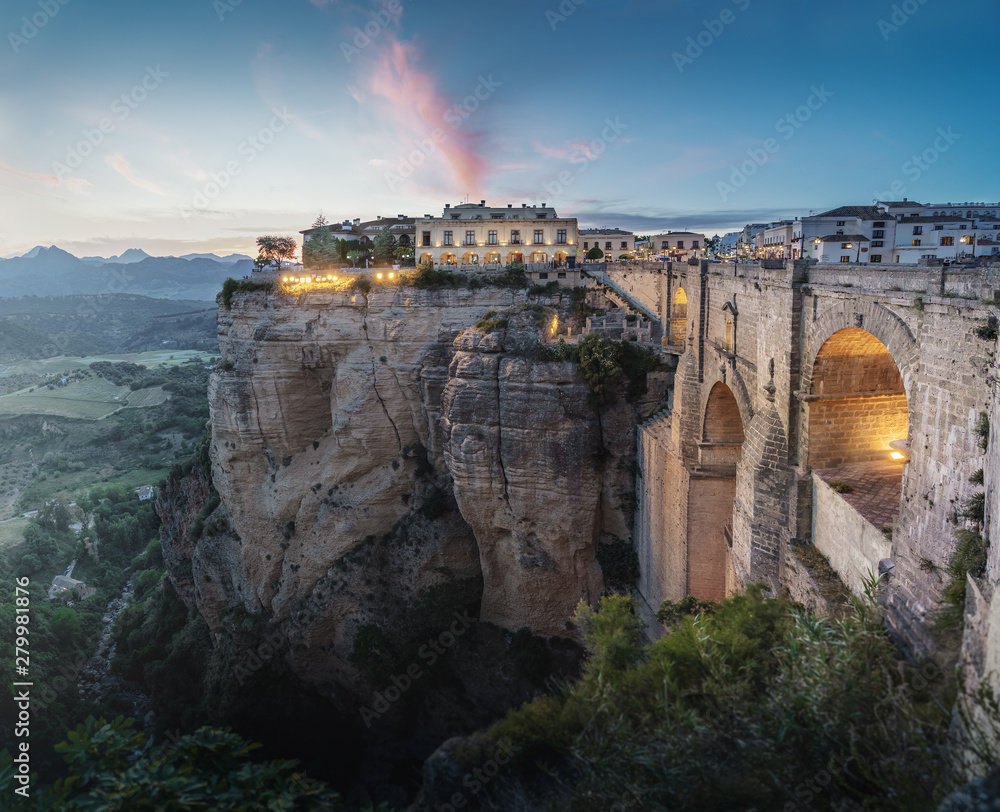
[(561, 275), (542, 216), (680, 243), (586, 245), (876, 258), (447, 238), (879, 225), (962, 227), (539, 237), (877, 243), (607, 246), (561, 236), (425, 238), (470, 237), (492, 238), (947, 241), (496, 216), (878, 232), (543, 276), (665, 245), (694, 243), (916, 242), (841, 222), (939, 228), (456, 217), (515, 237), (845, 258), (624, 244), (918, 229), (845, 245)]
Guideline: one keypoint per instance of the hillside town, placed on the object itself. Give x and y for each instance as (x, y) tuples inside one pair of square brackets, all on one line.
[(476, 237)]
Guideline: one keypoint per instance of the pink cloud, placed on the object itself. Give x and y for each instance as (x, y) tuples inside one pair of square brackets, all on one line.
[(418, 109), (121, 165), (75, 185)]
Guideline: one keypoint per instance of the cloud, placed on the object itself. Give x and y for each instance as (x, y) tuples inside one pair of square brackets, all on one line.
[(417, 108), (75, 185), (121, 165)]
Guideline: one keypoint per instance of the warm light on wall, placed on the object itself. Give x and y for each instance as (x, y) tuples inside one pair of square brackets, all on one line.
[(379, 275), (895, 455)]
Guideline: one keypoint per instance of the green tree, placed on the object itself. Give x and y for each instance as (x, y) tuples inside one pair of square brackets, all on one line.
[(320, 221), (321, 250), (595, 253), (275, 250), (209, 769), (385, 245)]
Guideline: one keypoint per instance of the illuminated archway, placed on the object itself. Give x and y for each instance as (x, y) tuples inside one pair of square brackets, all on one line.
[(539, 257), (857, 403), (449, 259), (426, 259), (492, 258), (561, 257), (678, 317), (470, 258), (515, 256), (857, 433)]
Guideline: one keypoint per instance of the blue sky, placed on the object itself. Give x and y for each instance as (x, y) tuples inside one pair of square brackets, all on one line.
[(197, 125)]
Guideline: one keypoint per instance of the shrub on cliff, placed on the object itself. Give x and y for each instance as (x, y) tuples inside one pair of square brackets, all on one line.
[(607, 363), (231, 286), (757, 704), (426, 278)]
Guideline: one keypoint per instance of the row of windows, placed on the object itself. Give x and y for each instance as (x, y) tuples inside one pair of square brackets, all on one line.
[(607, 245), (874, 258), (680, 244), (493, 239)]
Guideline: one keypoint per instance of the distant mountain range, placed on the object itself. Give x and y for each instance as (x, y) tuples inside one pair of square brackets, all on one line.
[(54, 272)]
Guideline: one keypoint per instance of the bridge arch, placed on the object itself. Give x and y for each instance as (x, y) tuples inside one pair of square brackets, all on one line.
[(882, 323), (712, 495), (678, 317)]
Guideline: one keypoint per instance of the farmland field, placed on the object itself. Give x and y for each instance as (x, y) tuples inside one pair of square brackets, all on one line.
[(90, 399)]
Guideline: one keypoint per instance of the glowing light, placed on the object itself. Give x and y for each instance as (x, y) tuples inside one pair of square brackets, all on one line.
[(897, 456), (334, 279), (379, 275), (392, 276)]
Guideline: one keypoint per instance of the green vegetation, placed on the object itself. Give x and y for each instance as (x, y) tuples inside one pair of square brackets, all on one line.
[(988, 329), (982, 430), (595, 253), (741, 706), (619, 563), (209, 769), (841, 487), (607, 363), (490, 321), (426, 278), (231, 286), (57, 327)]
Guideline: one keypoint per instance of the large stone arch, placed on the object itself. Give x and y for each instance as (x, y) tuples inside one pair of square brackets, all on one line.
[(871, 317)]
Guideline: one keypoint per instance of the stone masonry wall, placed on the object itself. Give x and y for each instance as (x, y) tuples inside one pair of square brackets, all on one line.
[(853, 546), (855, 429)]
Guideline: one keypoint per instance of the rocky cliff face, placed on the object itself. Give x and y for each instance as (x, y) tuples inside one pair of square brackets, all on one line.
[(370, 450)]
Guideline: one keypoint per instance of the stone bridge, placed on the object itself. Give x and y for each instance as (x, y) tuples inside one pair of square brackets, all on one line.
[(835, 406)]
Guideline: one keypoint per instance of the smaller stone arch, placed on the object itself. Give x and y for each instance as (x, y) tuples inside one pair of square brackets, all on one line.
[(678, 317)]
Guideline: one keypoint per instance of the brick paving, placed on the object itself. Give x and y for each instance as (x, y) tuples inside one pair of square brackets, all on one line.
[(877, 488)]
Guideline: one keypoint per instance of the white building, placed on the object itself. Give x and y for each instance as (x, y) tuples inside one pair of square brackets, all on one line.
[(473, 236), (870, 231), (945, 237), (615, 243)]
